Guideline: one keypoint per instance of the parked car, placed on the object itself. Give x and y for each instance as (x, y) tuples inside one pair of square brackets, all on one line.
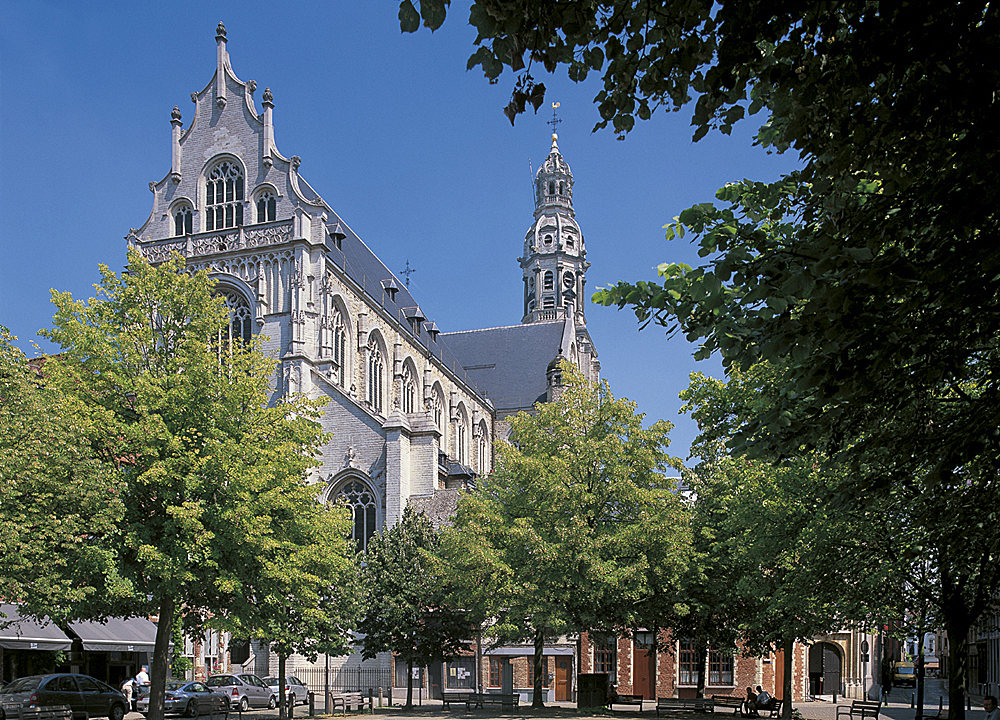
[(291, 685), (244, 691), (190, 699), (86, 696)]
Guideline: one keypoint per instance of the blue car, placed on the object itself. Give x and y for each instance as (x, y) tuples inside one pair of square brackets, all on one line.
[(190, 699)]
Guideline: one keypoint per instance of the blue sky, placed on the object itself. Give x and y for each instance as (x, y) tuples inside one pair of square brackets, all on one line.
[(407, 146)]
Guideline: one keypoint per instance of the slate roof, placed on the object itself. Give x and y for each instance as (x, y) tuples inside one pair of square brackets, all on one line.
[(508, 363), (364, 267)]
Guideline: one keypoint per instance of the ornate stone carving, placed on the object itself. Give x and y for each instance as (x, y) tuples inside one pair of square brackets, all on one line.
[(252, 84), (162, 251), (268, 235)]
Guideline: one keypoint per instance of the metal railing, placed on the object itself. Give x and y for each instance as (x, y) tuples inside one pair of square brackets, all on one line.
[(346, 679)]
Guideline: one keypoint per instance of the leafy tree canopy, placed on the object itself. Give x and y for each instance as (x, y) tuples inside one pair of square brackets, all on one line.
[(407, 608), (580, 527), (179, 414), (58, 504)]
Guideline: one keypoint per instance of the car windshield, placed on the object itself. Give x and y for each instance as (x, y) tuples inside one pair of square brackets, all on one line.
[(21, 685), (220, 680), (905, 670)]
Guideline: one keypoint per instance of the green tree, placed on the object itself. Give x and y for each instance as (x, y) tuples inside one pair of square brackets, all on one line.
[(58, 504), (577, 527), (301, 590), (797, 560), (870, 275), (407, 610), (180, 415)]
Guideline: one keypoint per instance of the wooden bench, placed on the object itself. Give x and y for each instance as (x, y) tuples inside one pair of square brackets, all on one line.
[(729, 701), (626, 700), (669, 704), (860, 710), (462, 698), (481, 700), (345, 701), (773, 708)]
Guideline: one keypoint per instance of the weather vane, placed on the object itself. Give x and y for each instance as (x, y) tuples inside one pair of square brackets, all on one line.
[(555, 120), (407, 272)]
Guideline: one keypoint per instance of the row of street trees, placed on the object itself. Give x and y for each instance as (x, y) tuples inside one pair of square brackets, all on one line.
[(144, 473), (869, 280)]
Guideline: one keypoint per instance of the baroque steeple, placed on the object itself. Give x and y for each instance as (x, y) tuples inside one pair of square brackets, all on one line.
[(553, 264)]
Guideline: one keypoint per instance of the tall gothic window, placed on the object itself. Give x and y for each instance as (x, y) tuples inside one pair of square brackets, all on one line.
[(240, 318), (376, 374), (409, 389), (266, 207), (460, 437), (483, 451), (438, 409), (362, 503), (224, 197), (339, 346), (183, 221)]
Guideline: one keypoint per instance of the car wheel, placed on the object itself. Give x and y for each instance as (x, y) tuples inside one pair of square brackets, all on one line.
[(191, 710), (117, 712), (272, 703), (244, 704)]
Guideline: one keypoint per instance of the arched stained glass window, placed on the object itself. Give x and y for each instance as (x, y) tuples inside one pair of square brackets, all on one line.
[(224, 197), (266, 207), (240, 317), (376, 374), (339, 346), (361, 500), (409, 389)]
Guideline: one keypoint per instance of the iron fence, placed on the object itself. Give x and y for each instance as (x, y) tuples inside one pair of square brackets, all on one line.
[(346, 679)]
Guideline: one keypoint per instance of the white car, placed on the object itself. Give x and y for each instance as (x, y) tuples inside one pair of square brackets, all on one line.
[(244, 690), (292, 685)]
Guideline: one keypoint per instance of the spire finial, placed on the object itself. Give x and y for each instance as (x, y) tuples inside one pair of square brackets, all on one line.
[(554, 122), (175, 115), (220, 32), (267, 98)]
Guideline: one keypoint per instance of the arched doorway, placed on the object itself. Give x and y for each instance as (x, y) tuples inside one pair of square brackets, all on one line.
[(824, 669)]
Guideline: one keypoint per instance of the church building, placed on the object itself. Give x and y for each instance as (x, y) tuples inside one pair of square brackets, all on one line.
[(413, 411)]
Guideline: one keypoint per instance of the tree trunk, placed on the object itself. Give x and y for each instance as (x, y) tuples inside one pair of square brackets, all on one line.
[(787, 646), (409, 684), (282, 710), (158, 668), (958, 627), (701, 656), (536, 700)]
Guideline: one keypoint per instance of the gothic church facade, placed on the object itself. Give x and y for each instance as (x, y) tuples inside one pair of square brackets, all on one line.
[(413, 412)]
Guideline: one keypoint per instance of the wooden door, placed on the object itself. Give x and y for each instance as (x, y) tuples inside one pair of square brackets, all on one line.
[(642, 677), (779, 674), (563, 671)]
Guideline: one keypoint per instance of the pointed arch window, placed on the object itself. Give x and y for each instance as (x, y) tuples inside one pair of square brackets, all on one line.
[(483, 450), (183, 221), (339, 347), (376, 374), (438, 402), (224, 197), (362, 503), (267, 207), (240, 318), (409, 389)]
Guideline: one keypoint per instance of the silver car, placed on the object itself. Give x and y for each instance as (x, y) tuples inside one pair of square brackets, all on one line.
[(190, 699), (292, 685), (244, 691)]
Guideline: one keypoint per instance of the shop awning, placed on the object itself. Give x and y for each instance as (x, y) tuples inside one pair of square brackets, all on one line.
[(132, 635), (25, 634), (528, 651)]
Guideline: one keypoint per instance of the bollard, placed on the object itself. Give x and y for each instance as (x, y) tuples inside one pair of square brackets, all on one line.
[(390, 694), (913, 700), (380, 697), (312, 703), (328, 704), (290, 703), (968, 702), (834, 697)]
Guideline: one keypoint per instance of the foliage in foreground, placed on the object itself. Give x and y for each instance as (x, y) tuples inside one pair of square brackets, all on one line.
[(580, 527)]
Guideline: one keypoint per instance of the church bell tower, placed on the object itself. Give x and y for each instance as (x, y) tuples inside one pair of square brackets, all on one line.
[(554, 261)]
